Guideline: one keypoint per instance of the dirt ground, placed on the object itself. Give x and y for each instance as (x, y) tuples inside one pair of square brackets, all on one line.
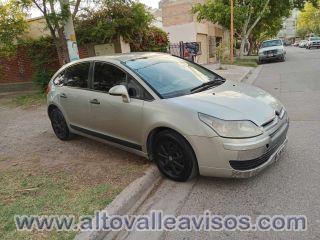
[(40, 174), (28, 141)]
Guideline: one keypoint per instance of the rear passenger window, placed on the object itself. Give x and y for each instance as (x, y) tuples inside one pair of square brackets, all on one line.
[(59, 79), (77, 75), (106, 76)]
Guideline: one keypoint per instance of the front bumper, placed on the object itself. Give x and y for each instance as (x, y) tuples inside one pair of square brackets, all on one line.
[(239, 158), (277, 56), (314, 45)]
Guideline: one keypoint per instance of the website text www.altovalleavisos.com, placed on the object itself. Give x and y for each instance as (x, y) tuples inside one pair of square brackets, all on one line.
[(156, 220)]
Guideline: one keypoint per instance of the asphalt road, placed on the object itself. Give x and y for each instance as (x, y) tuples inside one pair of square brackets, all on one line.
[(289, 187)]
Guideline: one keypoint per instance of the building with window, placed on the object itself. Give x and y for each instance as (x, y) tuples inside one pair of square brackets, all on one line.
[(289, 27), (182, 25)]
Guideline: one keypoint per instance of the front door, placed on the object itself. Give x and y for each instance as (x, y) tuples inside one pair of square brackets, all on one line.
[(120, 122)]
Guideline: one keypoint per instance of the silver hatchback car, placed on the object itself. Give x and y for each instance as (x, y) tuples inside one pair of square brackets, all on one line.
[(185, 118)]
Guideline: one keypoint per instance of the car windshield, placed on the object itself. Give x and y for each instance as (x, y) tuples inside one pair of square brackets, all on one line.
[(170, 76), (314, 38), (271, 43)]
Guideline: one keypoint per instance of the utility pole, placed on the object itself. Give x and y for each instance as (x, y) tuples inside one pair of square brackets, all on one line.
[(231, 32), (70, 34)]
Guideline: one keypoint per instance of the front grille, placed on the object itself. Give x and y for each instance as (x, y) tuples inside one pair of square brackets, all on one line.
[(254, 163), (270, 52)]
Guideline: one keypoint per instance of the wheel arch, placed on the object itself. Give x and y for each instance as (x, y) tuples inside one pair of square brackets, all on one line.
[(152, 134)]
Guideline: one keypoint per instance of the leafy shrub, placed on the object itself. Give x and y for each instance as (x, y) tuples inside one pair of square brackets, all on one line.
[(42, 77), (125, 18), (154, 39), (44, 58)]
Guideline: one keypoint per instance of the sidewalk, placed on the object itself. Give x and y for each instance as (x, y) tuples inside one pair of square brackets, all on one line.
[(231, 72)]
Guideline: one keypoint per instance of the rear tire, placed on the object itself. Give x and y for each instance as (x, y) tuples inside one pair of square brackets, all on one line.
[(59, 125), (174, 156)]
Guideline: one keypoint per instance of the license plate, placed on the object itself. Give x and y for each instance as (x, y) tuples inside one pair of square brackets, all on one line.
[(270, 55)]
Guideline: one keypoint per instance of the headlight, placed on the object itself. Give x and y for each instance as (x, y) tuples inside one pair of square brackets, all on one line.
[(231, 129), (279, 51)]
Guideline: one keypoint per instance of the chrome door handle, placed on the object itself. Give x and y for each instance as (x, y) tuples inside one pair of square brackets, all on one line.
[(94, 101), (63, 95)]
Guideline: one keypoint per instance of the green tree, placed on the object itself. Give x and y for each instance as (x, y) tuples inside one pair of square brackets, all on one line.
[(267, 28), (116, 18), (55, 13), (309, 20), (12, 26)]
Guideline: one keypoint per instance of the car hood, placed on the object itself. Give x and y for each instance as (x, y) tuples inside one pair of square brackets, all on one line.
[(271, 48), (233, 101)]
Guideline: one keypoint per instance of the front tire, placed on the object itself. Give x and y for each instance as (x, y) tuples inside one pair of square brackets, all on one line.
[(59, 124), (174, 156)]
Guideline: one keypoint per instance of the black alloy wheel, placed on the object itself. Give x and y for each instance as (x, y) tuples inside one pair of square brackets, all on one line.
[(174, 156), (59, 124)]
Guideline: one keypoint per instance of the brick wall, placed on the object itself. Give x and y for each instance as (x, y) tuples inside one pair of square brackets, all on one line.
[(83, 52), (19, 68), (16, 69)]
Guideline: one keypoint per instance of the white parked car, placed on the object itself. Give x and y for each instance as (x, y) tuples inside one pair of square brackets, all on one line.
[(272, 50), (303, 44), (313, 42)]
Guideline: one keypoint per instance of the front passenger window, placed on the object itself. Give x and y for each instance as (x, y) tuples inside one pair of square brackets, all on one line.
[(135, 90), (106, 76)]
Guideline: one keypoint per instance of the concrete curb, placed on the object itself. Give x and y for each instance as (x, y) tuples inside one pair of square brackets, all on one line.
[(246, 75), (127, 201), (252, 76)]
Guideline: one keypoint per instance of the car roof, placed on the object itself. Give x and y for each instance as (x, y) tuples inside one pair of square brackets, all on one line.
[(121, 57), (269, 40)]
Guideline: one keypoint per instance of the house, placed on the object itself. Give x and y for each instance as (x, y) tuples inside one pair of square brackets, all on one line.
[(36, 28), (182, 25), (289, 27)]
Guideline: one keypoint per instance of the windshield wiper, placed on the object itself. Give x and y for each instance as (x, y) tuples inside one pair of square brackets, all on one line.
[(207, 85)]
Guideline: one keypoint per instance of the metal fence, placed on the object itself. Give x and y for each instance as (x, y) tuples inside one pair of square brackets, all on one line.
[(186, 50)]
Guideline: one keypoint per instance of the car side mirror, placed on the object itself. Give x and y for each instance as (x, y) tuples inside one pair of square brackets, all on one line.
[(120, 90)]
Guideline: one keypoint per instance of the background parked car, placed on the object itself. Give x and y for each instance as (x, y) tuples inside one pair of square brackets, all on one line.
[(272, 50), (296, 44), (303, 44), (313, 42)]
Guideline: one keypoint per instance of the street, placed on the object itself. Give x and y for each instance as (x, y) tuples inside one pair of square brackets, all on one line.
[(289, 187)]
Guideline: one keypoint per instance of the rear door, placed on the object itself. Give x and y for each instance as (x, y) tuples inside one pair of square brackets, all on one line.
[(118, 121), (75, 93)]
